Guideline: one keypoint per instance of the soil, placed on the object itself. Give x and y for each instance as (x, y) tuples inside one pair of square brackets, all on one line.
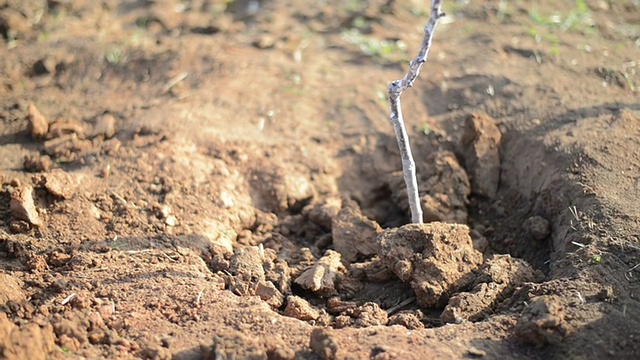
[(219, 179)]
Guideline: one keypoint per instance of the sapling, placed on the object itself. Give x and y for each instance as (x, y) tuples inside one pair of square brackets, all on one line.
[(395, 90)]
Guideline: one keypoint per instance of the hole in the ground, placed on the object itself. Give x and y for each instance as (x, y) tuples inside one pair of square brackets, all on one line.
[(492, 227)]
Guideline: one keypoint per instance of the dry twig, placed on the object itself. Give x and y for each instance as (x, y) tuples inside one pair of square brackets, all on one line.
[(395, 90)]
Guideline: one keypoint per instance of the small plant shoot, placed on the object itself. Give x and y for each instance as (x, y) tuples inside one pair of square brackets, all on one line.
[(395, 91)]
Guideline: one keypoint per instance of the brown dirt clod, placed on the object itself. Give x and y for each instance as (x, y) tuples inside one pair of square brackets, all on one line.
[(35, 163), (300, 308), (542, 322), (60, 183), (23, 206), (354, 235), (37, 124), (444, 189), (323, 344), (436, 259), (30, 341), (105, 126), (321, 276), (10, 290), (495, 281), (481, 149), (233, 345), (270, 294), (538, 227), (246, 270)]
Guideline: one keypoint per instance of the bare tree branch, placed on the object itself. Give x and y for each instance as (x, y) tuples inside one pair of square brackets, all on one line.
[(395, 90)]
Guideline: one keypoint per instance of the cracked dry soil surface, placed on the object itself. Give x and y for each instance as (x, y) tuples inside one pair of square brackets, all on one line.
[(218, 179)]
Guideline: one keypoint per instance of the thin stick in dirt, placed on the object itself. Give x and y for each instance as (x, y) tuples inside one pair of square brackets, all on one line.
[(395, 90)]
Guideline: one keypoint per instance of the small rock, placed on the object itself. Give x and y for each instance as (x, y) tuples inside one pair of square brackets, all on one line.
[(481, 143), (322, 275), (538, 227), (354, 235), (23, 206), (164, 211), (542, 322), (105, 126), (436, 259), (299, 308), (171, 220), (37, 125)]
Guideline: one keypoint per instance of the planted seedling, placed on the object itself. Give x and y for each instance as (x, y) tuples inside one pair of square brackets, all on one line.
[(395, 90)]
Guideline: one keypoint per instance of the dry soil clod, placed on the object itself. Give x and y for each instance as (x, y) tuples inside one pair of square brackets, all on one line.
[(233, 345), (300, 308), (354, 235), (538, 227), (323, 344), (322, 275), (10, 289), (23, 206), (497, 279), (481, 149), (105, 126), (37, 124), (445, 189), (30, 341), (246, 270), (270, 294), (542, 322), (436, 259), (60, 183), (36, 163), (368, 314)]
